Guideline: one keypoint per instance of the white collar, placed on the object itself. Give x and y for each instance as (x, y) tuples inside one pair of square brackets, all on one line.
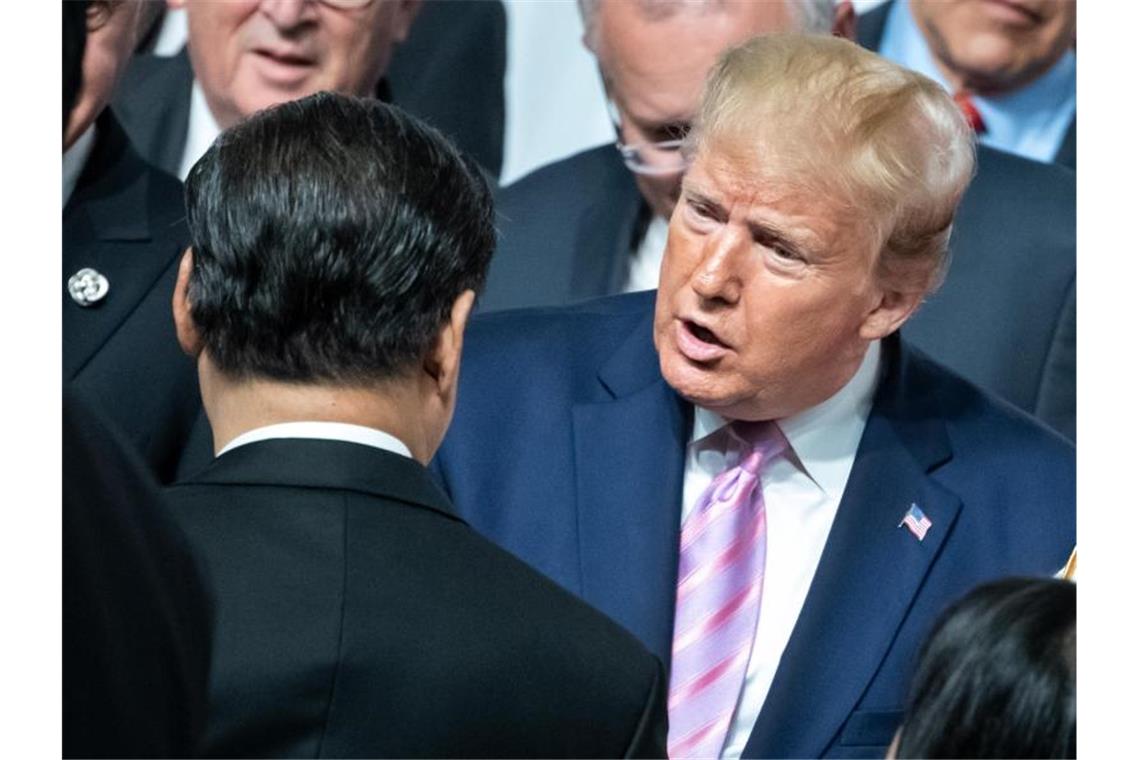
[(201, 131), (824, 437), (74, 159), (330, 431)]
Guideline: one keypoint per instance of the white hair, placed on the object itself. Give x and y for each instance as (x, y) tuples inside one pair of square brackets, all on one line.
[(812, 16)]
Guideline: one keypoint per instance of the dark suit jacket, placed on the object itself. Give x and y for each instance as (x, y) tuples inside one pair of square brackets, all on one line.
[(449, 73), (1005, 318), (127, 220), (567, 409), (358, 616), (136, 615), (869, 33)]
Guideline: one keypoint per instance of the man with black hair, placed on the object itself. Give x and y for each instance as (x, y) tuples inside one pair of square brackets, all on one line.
[(338, 244), (123, 231)]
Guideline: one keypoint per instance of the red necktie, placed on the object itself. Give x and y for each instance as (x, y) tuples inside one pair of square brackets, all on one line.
[(970, 111)]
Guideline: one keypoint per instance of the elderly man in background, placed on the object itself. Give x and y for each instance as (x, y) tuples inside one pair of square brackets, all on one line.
[(751, 471), (1011, 66), (595, 223), (250, 54)]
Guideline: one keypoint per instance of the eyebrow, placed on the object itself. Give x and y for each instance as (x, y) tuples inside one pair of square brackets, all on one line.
[(761, 232)]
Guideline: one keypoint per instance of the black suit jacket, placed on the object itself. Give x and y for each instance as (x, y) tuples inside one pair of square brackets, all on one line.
[(449, 72), (358, 615), (1005, 317), (869, 33), (127, 220), (136, 614)]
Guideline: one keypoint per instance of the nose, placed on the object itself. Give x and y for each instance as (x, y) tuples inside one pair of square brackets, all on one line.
[(717, 277), (288, 14)]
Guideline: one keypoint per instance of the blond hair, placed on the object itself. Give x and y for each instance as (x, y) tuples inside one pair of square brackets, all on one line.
[(823, 115)]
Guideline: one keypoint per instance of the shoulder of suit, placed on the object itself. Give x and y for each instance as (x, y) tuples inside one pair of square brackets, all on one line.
[(981, 425), (583, 175), (618, 312)]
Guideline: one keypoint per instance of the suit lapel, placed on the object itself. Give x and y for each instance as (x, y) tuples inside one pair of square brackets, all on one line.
[(606, 234), (629, 453), (154, 105), (106, 226), (869, 573)]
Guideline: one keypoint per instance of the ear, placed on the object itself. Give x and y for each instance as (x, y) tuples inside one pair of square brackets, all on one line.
[(188, 337), (844, 22), (893, 309), (402, 19), (442, 361)]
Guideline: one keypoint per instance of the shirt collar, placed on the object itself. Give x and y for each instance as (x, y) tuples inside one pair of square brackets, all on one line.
[(825, 437), (74, 159), (330, 431), (201, 130)]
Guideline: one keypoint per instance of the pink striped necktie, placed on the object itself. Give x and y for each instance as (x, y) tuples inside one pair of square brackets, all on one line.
[(720, 579)]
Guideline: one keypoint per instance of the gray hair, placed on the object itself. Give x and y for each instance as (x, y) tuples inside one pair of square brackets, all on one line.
[(812, 16)]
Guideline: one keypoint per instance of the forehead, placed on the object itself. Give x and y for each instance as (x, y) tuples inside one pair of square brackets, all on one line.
[(655, 66)]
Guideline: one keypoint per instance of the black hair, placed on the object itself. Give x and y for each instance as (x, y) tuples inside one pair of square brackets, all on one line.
[(997, 678), (331, 237), (74, 44)]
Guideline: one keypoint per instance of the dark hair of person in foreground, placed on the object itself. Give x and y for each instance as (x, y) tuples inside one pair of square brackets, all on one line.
[(997, 678), (301, 281)]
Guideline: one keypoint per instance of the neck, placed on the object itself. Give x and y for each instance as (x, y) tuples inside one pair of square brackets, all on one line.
[(235, 407)]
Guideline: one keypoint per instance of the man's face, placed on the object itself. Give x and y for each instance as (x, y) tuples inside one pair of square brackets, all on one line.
[(996, 46), (112, 30), (766, 296), (252, 54), (654, 70)]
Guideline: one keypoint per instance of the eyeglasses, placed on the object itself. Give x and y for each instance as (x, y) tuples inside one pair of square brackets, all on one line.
[(650, 158)]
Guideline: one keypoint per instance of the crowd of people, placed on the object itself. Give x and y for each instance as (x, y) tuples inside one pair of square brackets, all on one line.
[(749, 434)]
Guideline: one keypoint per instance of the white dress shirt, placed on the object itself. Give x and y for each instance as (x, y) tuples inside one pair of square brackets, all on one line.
[(645, 267), (201, 131), (802, 489), (74, 159), (1031, 121), (328, 431)]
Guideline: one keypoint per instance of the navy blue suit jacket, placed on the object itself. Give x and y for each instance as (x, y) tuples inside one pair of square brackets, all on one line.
[(568, 446), (1005, 318)]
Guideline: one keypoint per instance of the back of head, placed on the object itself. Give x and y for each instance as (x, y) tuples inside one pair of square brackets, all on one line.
[(331, 238), (997, 678), (822, 115)]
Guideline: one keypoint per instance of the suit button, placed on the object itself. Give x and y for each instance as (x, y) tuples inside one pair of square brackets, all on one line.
[(87, 287)]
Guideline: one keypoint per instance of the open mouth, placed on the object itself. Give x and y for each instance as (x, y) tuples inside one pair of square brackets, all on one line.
[(703, 333), (698, 343), (285, 59)]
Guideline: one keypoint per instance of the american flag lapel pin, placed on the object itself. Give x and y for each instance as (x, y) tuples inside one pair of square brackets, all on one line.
[(916, 522)]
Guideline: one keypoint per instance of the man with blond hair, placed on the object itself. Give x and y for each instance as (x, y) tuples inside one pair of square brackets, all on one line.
[(751, 471)]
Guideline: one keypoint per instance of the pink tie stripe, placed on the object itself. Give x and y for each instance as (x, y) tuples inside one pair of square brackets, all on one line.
[(686, 744), (723, 560), (711, 624), (719, 590), (696, 685)]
